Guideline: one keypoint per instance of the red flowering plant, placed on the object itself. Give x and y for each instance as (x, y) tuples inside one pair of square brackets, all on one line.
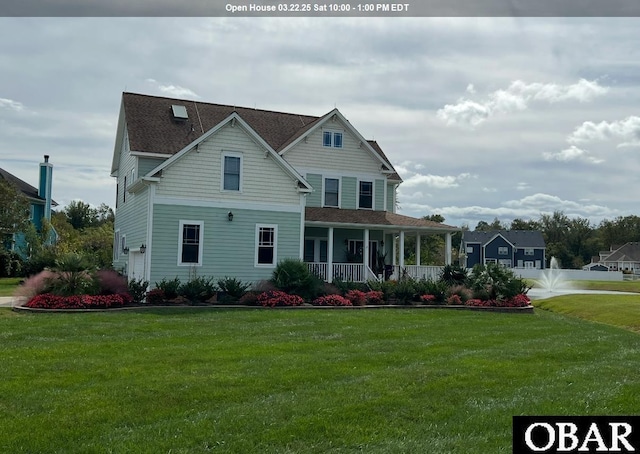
[(427, 299), (520, 300), (156, 296), (374, 297), (331, 300), (357, 297), (278, 298), (50, 301)]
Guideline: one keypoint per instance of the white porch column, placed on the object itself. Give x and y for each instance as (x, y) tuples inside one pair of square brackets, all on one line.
[(447, 249), (401, 248), (394, 249), (418, 249), (365, 248), (330, 255)]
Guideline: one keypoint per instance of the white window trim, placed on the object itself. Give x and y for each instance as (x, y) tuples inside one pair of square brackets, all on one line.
[(275, 245), (373, 194), (333, 132), (503, 248), (200, 242), (529, 251), (231, 154), (331, 177)]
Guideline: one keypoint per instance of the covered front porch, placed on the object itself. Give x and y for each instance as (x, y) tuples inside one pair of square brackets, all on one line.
[(359, 245)]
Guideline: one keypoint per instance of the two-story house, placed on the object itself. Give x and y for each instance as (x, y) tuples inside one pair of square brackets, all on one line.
[(40, 203), (510, 248), (215, 190)]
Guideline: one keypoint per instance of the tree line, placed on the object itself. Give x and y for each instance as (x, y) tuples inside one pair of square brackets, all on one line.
[(573, 241)]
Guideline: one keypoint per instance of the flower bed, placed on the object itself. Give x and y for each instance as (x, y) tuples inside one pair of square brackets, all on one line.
[(278, 298), (50, 301)]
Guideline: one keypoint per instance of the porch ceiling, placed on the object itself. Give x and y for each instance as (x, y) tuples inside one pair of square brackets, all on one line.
[(338, 217)]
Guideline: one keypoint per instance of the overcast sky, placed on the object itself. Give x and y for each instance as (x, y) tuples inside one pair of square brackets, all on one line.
[(482, 117)]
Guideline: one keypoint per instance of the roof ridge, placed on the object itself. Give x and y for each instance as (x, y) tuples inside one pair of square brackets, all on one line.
[(234, 107)]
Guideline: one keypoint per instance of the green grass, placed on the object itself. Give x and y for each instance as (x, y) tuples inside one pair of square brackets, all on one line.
[(622, 311), (279, 381), (8, 285), (618, 286)]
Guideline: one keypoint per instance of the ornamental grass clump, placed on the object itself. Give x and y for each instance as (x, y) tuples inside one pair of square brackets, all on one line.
[(234, 289)]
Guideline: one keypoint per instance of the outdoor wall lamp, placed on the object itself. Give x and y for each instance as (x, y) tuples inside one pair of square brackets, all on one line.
[(125, 250), (143, 248), (230, 216)]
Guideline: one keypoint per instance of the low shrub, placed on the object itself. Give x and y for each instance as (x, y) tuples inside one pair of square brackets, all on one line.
[(520, 300), (198, 289), (437, 288), (11, 264), (404, 291), (279, 298), (249, 299), (345, 286), (169, 287), (453, 275), (293, 276), (463, 293), (374, 297), (356, 297), (233, 288), (428, 299), (331, 300), (50, 301), (454, 300), (156, 296), (138, 289), (386, 287)]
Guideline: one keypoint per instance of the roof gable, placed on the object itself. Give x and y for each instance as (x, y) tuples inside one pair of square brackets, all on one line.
[(234, 119), (517, 238), (629, 252)]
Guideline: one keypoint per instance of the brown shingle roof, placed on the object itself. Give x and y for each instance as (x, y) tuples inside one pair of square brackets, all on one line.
[(152, 129), (372, 218)]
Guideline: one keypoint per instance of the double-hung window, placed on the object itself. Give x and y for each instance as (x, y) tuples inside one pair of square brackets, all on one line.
[(266, 244), (528, 251), (190, 243), (231, 172), (332, 139), (365, 200), (331, 192), (503, 250)]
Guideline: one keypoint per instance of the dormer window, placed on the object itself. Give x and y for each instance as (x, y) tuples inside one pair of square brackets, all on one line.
[(332, 139)]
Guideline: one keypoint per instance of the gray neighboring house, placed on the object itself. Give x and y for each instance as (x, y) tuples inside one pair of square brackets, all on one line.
[(617, 258), (510, 248)]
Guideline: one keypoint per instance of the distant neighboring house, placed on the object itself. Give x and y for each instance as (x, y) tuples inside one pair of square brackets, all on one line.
[(216, 190), (40, 200), (511, 248), (618, 258)]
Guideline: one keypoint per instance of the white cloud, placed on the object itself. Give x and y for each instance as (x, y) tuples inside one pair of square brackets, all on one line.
[(173, 90), (515, 98), (522, 186), (471, 89), (10, 104), (435, 181), (627, 130), (572, 153)]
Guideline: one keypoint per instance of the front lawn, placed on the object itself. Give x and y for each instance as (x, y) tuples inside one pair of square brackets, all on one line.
[(197, 380), (617, 310), (8, 285)]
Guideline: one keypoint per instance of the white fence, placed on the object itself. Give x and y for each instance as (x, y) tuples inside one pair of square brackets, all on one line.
[(573, 275)]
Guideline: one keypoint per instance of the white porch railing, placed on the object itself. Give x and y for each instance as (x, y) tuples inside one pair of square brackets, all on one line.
[(417, 272), (357, 272)]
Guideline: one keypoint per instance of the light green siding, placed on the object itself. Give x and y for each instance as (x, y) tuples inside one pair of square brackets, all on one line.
[(391, 199), (229, 247), (349, 193), (315, 198), (379, 195), (146, 165), (198, 174)]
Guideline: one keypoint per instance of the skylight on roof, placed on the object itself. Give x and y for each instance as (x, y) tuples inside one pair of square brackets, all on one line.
[(179, 112)]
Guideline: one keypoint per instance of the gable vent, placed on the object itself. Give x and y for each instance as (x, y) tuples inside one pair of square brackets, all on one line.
[(179, 112)]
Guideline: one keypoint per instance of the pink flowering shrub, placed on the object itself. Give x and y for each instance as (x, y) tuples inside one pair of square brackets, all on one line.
[(278, 298), (520, 300), (50, 301), (374, 297), (111, 282), (36, 284), (427, 299), (156, 296), (331, 300), (357, 297)]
